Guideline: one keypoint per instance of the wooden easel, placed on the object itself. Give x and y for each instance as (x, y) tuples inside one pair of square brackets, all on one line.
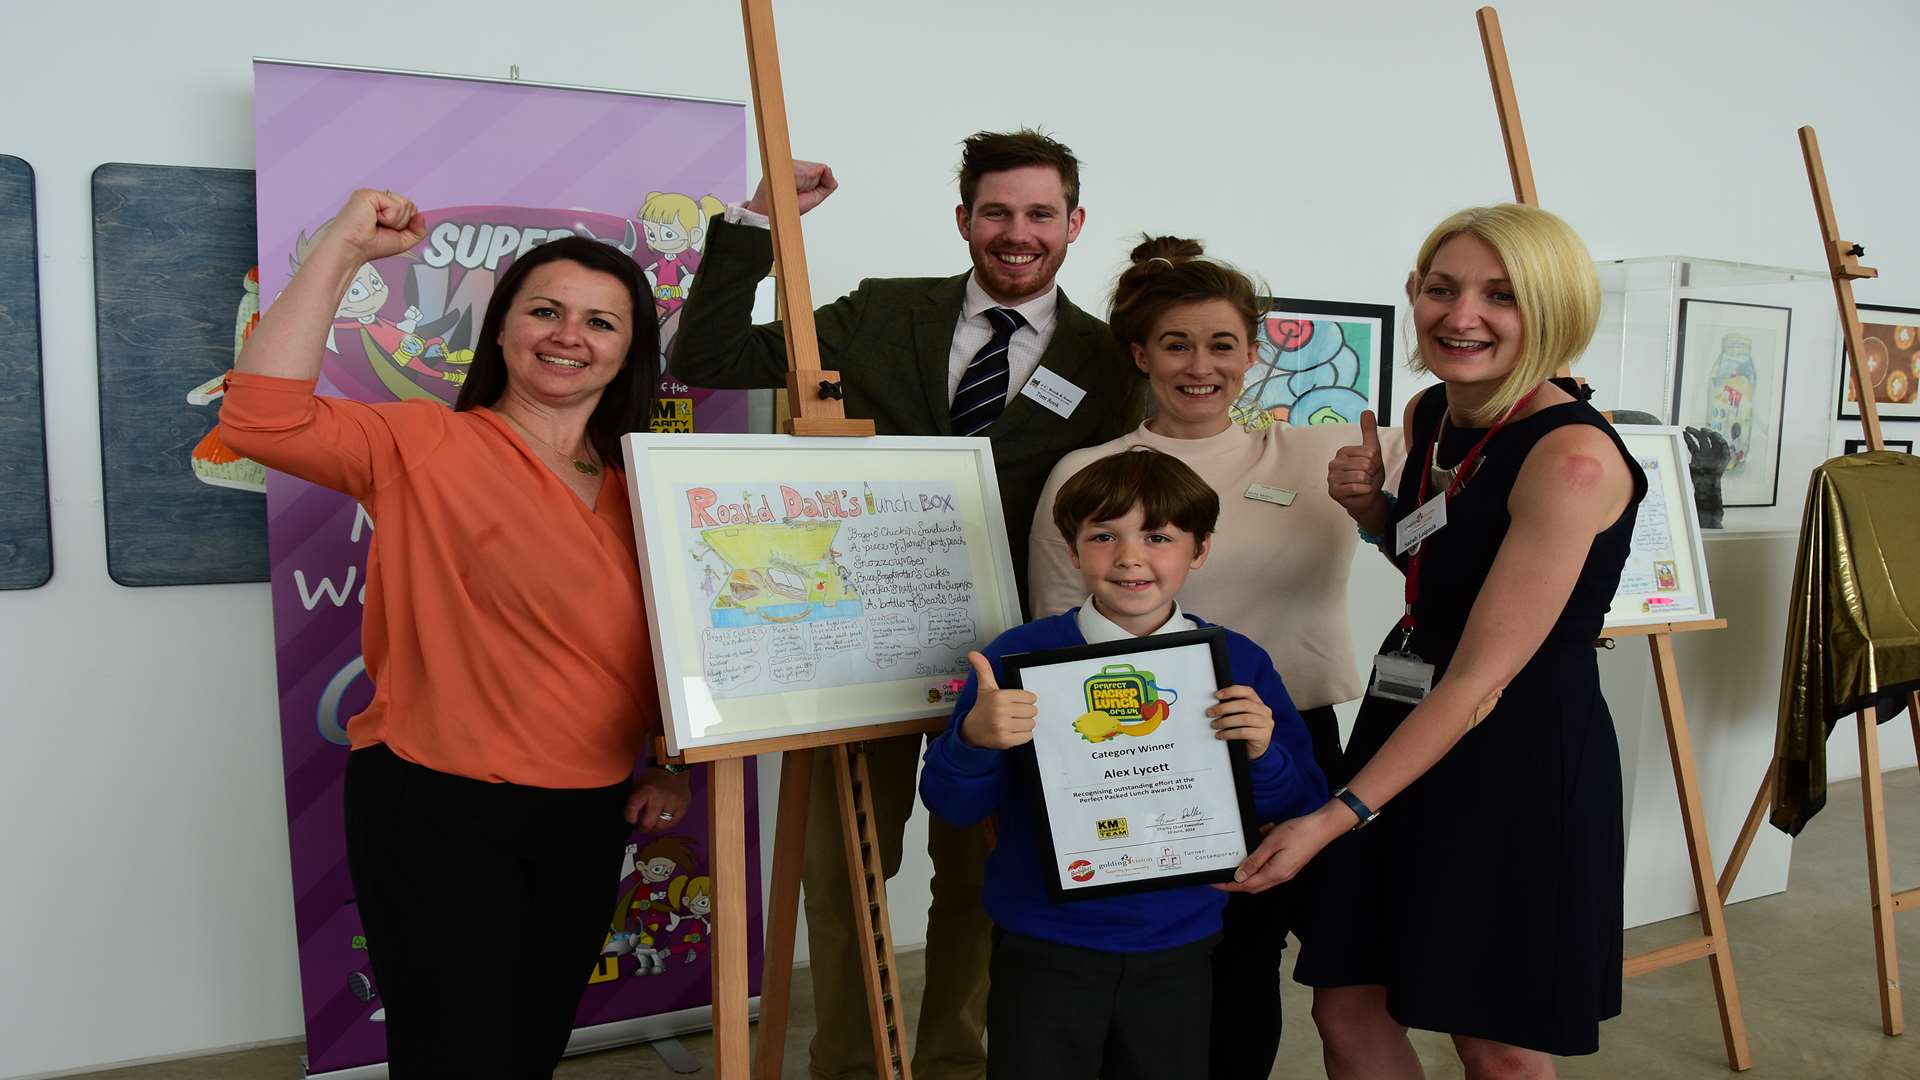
[(1712, 945), (1843, 262), (813, 398)]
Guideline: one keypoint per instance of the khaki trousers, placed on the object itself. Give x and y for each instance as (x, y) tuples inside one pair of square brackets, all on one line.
[(948, 1044)]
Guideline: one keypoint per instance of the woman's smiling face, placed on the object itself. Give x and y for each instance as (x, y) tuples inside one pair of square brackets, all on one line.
[(1196, 360)]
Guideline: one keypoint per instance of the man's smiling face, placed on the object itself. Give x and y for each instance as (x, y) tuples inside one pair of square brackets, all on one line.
[(1017, 231)]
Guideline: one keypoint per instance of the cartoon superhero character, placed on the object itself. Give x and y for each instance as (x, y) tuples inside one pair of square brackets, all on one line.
[(692, 925), (390, 347), (213, 462), (676, 231), (644, 912)]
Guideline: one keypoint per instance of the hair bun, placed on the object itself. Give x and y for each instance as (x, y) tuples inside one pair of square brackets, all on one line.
[(1166, 249)]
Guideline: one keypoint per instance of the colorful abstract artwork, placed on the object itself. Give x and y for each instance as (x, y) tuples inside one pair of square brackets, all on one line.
[(1321, 362), (1890, 340)]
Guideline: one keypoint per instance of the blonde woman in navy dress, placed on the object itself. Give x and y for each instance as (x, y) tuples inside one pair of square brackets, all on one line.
[(1486, 901)]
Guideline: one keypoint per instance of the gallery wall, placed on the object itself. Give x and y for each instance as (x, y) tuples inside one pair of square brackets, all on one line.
[(148, 897)]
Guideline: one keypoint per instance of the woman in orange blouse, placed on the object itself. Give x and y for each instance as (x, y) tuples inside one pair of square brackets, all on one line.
[(488, 794)]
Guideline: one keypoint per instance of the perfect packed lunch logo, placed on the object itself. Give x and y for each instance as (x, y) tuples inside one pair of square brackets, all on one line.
[(1123, 700)]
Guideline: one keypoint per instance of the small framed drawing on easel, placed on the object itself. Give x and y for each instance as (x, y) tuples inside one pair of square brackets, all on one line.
[(1665, 579)]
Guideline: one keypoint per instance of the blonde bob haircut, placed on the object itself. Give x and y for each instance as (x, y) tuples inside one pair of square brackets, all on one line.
[(1554, 287)]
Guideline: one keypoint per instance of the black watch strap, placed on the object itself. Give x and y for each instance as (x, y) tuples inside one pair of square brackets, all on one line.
[(1361, 810), (670, 768)]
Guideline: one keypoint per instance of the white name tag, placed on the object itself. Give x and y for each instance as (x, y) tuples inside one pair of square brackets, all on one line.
[(1401, 677), (1420, 524), (1054, 392), (1278, 496)]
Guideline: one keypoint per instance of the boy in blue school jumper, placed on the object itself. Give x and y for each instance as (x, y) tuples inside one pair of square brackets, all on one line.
[(1117, 987)]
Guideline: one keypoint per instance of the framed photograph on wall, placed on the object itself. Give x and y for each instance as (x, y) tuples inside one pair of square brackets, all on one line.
[(1891, 342), (1665, 578), (797, 586), (1729, 377), (1321, 362)]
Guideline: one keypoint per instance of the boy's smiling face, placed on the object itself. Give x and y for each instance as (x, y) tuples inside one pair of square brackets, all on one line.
[(1134, 571)]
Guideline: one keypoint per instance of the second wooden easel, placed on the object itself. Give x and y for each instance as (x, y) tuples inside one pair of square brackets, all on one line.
[(1843, 262), (813, 398), (1712, 944)]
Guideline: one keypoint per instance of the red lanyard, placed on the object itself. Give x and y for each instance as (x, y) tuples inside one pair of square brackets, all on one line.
[(1460, 474)]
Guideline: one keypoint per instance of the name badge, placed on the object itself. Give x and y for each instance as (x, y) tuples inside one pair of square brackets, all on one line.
[(1401, 676), (1420, 524), (1278, 496), (1057, 394)]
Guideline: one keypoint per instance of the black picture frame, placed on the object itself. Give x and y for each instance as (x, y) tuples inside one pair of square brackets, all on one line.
[(1680, 418), (1898, 446), (26, 511), (1027, 763), (1379, 397)]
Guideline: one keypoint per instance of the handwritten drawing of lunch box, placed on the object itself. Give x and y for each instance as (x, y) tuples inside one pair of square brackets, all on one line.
[(1122, 691)]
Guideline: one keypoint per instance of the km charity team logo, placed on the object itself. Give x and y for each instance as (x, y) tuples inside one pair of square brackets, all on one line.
[(1123, 700)]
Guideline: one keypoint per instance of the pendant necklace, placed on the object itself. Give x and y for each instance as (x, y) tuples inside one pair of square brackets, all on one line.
[(584, 467)]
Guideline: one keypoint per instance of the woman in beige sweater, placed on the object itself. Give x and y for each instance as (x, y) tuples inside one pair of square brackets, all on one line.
[(1277, 573)]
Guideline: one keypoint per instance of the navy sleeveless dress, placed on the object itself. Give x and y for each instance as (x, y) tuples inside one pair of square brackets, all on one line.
[(1487, 897)]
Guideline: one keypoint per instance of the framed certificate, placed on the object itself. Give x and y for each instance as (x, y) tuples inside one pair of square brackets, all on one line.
[(1136, 793)]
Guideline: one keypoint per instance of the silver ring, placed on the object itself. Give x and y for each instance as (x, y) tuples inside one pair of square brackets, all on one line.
[(666, 815)]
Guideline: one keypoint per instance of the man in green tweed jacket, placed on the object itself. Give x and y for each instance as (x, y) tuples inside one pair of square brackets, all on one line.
[(928, 356)]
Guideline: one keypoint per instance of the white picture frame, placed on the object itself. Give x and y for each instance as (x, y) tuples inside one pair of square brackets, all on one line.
[(1665, 579), (799, 585)]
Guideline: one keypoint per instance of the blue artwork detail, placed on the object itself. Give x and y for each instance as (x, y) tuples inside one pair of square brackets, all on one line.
[(26, 527)]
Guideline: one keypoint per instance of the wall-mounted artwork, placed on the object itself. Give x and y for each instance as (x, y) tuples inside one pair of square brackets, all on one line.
[(1898, 446), (26, 528), (1728, 378), (1891, 345), (1321, 362), (177, 292)]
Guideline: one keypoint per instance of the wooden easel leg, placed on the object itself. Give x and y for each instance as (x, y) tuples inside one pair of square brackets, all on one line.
[(1762, 802), (1886, 948), (1733, 1025), (727, 844), (869, 887), (783, 908)]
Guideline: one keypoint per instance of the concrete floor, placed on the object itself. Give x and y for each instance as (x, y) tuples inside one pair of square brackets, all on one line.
[(1804, 961)]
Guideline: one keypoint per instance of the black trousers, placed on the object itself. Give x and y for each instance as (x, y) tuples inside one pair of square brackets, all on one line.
[(485, 907), (1066, 1013), (1253, 935)]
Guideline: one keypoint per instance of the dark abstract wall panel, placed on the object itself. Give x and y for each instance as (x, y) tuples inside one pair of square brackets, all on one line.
[(173, 252), (26, 528)]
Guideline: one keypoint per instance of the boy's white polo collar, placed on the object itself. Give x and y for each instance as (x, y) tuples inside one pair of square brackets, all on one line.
[(1097, 628)]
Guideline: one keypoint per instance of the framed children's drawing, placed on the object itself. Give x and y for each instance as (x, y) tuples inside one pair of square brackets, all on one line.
[(1321, 362), (1665, 579), (805, 585), (1731, 377)]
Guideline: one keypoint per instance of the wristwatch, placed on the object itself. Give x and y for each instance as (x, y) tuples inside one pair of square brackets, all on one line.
[(1361, 810), (670, 768)]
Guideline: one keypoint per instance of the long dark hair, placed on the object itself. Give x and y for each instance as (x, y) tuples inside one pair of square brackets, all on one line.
[(627, 403)]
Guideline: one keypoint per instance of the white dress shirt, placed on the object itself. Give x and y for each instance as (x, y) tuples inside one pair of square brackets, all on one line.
[(1097, 628)]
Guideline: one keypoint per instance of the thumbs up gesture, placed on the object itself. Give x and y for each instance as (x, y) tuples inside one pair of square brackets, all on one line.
[(1355, 475), (1000, 719)]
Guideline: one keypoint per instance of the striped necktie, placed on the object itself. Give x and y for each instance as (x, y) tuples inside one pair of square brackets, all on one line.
[(983, 387)]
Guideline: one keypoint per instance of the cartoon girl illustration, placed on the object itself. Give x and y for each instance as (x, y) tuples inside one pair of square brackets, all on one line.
[(692, 927), (390, 347), (676, 232), (213, 463)]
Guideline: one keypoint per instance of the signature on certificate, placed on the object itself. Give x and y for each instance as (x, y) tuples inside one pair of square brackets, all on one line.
[(1191, 813)]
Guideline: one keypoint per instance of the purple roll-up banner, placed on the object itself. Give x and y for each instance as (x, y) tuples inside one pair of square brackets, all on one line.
[(497, 167)]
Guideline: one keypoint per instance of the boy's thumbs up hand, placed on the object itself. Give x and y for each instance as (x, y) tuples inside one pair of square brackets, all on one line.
[(1356, 474), (1000, 719)]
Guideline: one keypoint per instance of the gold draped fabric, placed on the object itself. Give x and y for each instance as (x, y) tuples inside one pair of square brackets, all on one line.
[(1853, 630)]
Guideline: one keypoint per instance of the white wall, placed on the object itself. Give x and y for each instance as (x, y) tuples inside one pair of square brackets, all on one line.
[(147, 896)]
